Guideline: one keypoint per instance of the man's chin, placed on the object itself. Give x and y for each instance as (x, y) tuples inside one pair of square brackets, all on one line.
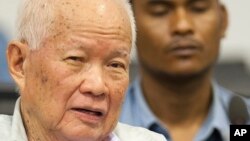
[(83, 133), (183, 76)]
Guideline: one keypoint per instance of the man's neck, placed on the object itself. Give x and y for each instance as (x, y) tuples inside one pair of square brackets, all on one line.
[(34, 131), (178, 103), (181, 106)]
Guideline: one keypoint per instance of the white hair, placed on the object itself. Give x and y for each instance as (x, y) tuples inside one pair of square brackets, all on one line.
[(129, 10), (34, 19), (36, 16)]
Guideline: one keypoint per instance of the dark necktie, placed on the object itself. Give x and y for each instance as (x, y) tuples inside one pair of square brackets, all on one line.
[(156, 128), (215, 136)]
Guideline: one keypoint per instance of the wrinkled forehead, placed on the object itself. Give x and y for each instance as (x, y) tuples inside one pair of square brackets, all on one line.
[(106, 13), (176, 0), (87, 8), (99, 17)]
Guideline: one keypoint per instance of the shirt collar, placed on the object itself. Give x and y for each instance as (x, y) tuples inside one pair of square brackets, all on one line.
[(147, 118), (217, 116), (113, 137), (17, 130)]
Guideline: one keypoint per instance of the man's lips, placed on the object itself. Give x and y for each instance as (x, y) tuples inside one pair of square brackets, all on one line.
[(91, 112), (89, 115), (185, 50), (184, 47)]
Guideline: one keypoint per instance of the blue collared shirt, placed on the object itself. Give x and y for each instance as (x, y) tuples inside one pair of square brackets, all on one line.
[(136, 112)]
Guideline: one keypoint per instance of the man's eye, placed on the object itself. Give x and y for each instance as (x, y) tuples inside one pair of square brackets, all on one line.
[(74, 59), (117, 65), (199, 9), (199, 6), (159, 11)]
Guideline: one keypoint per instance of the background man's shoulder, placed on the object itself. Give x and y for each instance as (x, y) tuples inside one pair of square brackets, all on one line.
[(131, 133)]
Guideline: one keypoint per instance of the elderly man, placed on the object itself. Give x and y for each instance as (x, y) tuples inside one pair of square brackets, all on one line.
[(70, 63), (178, 45)]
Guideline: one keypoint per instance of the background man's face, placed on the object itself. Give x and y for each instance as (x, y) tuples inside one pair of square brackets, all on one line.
[(179, 37), (75, 83)]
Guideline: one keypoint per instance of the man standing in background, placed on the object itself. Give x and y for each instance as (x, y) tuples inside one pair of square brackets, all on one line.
[(178, 44)]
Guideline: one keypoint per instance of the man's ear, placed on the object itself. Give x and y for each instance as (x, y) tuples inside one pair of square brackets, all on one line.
[(224, 20), (16, 56)]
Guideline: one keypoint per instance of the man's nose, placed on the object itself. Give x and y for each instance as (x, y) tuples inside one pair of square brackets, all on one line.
[(93, 82), (182, 22)]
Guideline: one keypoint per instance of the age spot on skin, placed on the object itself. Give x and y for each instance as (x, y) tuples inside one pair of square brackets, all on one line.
[(44, 80), (42, 6)]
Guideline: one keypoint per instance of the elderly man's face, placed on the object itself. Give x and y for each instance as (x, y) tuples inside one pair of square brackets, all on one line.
[(75, 83)]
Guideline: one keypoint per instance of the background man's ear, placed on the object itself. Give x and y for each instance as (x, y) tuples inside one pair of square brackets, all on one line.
[(224, 18), (16, 55)]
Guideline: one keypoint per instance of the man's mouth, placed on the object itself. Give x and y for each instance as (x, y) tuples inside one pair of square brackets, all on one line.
[(89, 115), (185, 50), (90, 112), (184, 47)]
